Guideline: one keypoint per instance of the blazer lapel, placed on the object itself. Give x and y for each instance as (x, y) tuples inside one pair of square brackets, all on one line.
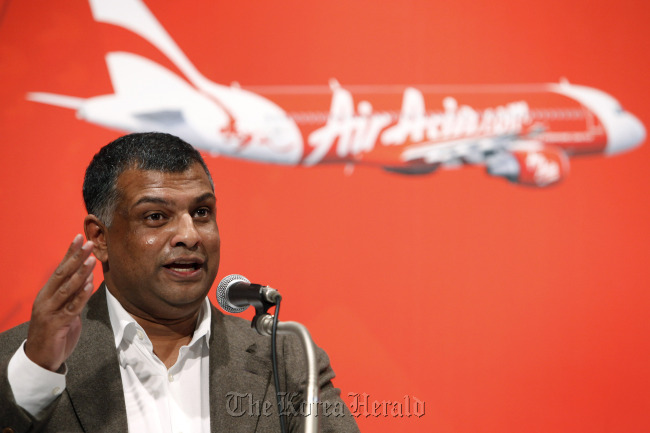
[(94, 382), (239, 380)]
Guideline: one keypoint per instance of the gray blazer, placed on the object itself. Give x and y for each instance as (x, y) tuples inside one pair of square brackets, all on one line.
[(241, 381)]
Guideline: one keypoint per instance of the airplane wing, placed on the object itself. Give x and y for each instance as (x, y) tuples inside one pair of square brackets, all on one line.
[(472, 150), (153, 96), (163, 117), (524, 161)]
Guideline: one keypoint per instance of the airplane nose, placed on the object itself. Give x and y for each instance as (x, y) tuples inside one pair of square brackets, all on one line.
[(626, 133)]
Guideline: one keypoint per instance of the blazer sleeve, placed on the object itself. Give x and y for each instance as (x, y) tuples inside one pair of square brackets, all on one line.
[(12, 416), (334, 415)]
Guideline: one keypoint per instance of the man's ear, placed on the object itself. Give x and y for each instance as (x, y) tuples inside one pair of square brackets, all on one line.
[(96, 232)]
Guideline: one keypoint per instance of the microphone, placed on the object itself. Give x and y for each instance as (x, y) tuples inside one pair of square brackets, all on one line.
[(235, 293)]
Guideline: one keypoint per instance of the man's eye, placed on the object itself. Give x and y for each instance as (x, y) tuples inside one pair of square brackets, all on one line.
[(154, 217), (202, 212)]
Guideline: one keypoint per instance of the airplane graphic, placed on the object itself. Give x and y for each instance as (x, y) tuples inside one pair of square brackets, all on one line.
[(524, 133)]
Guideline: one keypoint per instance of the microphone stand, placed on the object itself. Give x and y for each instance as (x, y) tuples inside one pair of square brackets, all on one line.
[(263, 298), (263, 324)]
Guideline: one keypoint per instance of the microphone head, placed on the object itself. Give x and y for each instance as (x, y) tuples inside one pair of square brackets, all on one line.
[(222, 292)]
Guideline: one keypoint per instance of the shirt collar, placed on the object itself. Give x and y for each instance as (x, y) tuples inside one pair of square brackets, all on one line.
[(121, 320)]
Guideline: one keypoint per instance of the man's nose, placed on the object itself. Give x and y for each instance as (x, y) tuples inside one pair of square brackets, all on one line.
[(186, 233)]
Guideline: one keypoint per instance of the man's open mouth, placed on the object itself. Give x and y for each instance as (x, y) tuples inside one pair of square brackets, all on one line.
[(184, 266)]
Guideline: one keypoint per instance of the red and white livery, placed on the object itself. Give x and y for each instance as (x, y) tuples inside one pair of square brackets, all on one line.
[(525, 133)]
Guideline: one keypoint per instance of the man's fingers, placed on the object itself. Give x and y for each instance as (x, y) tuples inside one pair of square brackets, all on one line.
[(74, 246), (54, 328), (77, 302), (77, 242), (75, 283), (74, 259)]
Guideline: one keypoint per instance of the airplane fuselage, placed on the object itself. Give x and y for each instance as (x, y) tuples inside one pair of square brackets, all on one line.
[(525, 133)]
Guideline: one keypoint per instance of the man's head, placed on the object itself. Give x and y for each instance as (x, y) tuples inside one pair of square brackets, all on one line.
[(152, 218), (143, 151)]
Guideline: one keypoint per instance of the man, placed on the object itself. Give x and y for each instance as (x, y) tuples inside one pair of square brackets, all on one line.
[(147, 352)]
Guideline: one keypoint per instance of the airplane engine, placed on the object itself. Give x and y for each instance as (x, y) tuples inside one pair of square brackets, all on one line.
[(530, 164)]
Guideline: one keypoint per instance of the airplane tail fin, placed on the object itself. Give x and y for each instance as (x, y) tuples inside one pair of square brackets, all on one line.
[(133, 15), (58, 100)]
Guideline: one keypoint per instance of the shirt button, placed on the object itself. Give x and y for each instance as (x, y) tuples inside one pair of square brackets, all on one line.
[(170, 377), (56, 391), (140, 334)]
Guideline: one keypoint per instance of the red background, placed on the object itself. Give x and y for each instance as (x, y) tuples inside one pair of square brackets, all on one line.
[(504, 308)]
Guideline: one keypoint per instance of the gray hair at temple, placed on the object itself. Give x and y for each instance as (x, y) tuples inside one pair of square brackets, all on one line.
[(142, 151)]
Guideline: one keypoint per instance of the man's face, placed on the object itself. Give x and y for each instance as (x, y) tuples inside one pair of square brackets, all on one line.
[(163, 244)]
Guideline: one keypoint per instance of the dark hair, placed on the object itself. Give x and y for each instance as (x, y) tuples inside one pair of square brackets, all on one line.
[(143, 151)]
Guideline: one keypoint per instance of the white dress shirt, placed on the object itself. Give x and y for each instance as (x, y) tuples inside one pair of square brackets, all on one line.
[(160, 400)]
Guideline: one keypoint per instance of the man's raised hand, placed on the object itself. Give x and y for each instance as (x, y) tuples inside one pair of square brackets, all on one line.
[(55, 325)]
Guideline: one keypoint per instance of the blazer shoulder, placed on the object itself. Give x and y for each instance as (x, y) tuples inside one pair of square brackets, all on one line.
[(238, 330)]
